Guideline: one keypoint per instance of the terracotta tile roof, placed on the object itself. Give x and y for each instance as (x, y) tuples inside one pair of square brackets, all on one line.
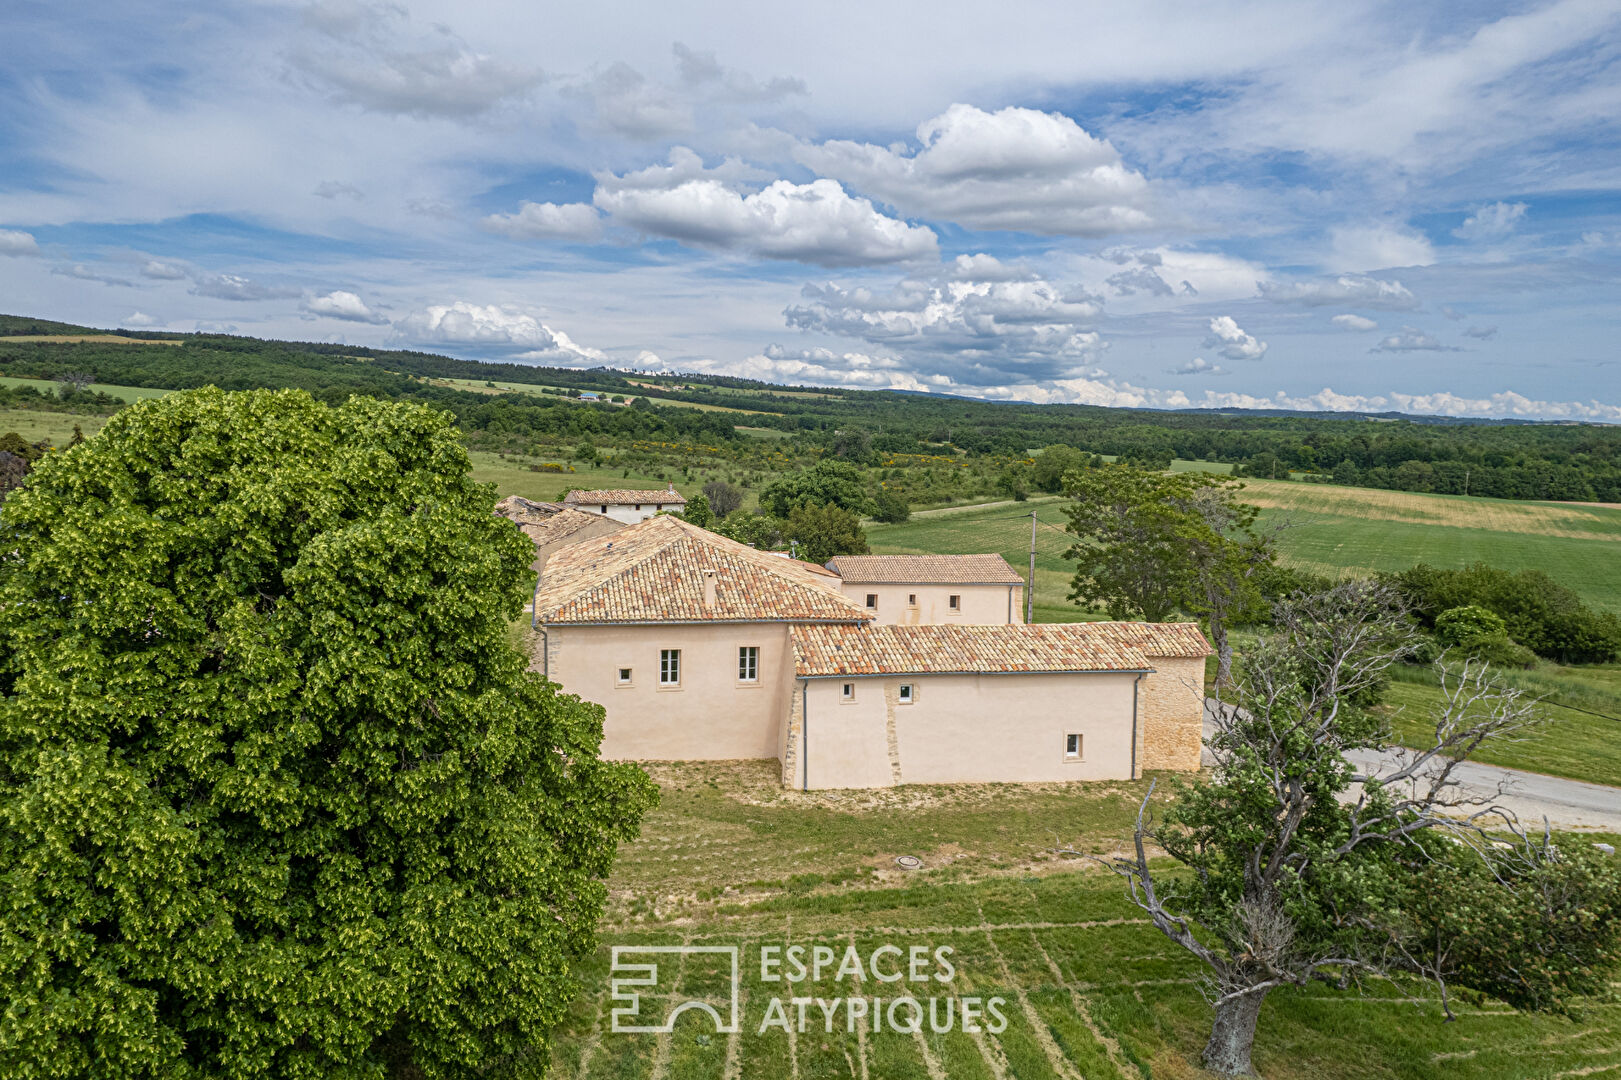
[(1175, 639), (547, 523), (625, 497), (925, 569), (653, 572), (923, 650)]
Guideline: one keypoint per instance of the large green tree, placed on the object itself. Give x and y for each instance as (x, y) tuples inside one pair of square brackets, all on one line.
[(827, 483), (277, 796)]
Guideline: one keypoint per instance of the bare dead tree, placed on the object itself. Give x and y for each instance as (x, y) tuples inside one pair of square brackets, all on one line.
[(1284, 842), (73, 381)]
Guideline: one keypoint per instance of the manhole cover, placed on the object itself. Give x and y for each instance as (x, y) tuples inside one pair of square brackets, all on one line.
[(909, 862)]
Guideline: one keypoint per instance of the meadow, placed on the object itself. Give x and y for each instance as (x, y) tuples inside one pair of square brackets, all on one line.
[(1090, 989), (125, 394)]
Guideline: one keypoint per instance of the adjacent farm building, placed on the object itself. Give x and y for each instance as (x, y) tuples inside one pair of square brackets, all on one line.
[(701, 648)]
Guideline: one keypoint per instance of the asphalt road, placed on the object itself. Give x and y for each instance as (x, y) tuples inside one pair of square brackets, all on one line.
[(1567, 804)]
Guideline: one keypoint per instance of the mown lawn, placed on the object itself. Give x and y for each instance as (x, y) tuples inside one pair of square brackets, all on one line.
[(1089, 989)]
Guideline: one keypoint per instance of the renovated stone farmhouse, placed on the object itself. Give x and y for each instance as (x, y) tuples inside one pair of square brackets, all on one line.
[(701, 648), (628, 506)]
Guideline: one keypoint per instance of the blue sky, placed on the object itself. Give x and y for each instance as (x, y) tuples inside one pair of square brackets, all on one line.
[(1299, 204)]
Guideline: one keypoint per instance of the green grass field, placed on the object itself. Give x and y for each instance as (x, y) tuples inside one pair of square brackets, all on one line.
[(1090, 989), (57, 427), (125, 394)]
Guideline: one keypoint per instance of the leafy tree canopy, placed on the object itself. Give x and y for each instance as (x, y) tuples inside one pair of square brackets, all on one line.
[(822, 532), (277, 796), (827, 483)]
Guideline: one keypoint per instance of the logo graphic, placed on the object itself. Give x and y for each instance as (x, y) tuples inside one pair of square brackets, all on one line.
[(629, 976)]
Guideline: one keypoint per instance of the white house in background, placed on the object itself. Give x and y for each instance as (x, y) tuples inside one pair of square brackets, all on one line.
[(701, 648), (928, 590), (627, 505)]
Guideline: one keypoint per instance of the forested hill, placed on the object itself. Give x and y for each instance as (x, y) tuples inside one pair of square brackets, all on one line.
[(501, 405)]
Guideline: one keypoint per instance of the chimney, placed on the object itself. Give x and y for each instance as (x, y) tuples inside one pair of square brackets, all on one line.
[(672, 487), (709, 588)]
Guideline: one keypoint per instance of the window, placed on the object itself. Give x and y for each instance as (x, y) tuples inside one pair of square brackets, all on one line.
[(1072, 747), (748, 663), (669, 667), (624, 676), (911, 599), (849, 693), (906, 693), (872, 601), (604, 509), (638, 506), (955, 602)]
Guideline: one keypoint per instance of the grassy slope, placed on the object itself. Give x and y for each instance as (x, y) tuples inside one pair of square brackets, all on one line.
[(732, 859), (57, 427), (122, 393)]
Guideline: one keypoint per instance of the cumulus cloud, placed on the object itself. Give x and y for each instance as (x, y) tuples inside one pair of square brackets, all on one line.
[(976, 332), (1350, 290), (237, 287), (1377, 247), (85, 273), (1412, 339), (827, 367), (1016, 169), (371, 56), (1491, 222), (140, 319), (162, 271), (1199, 366), (548, 221), (1482, 333), (816, 222), (17, 242), (340, 304), (462, 323), (1357, 323), (1233, 342)]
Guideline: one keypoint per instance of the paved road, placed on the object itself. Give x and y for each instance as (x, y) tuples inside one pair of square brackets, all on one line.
[(1568, 804)]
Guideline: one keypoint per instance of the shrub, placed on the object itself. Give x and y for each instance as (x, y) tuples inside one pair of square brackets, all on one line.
[(1460, 624)]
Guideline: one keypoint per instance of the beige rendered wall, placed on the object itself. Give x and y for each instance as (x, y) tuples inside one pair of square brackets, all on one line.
[(710, 716), (1172, 713), (959, 729), (982, 605), (627, 513)]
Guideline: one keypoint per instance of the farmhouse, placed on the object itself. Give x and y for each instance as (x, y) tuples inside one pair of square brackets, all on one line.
[(919, 590), (628, 506), (701, 648)]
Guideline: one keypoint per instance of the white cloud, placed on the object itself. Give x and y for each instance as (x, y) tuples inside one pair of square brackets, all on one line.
[(1412, 339), (139, 319), (1377, 247), (548, 221), (1481, 333), (626, 102), (462, 323), (1016, 169), (1199, 366), (1491, 222), (1354, 322), (1233, 342), (826, 367), (983, 332), (340, 304), (816, 222), (370, 56), (85, 273), (16, 242), (1351, 290), (237, 287), (162, 271)]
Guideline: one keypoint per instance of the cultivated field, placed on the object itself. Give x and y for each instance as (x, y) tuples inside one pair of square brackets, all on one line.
[(91, 339), (1089, 989)]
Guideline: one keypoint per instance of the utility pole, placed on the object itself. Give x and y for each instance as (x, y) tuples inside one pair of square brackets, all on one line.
[(1030, 587), (1466, 480)]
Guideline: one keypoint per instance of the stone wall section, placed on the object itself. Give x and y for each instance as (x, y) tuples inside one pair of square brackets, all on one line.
[(1170, 713)]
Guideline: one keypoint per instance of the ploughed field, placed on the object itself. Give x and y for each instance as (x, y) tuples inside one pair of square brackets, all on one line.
[(1086, 987)]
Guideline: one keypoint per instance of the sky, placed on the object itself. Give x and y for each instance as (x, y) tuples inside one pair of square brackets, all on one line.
[(1299, 204)]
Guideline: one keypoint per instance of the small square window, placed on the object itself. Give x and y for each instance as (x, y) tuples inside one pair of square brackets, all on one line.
[(955, 603), (849, 691), (624, 676), (669, 667), (1072, 747), (906, 693), (872, 601), (748, 663), (911, 599)]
